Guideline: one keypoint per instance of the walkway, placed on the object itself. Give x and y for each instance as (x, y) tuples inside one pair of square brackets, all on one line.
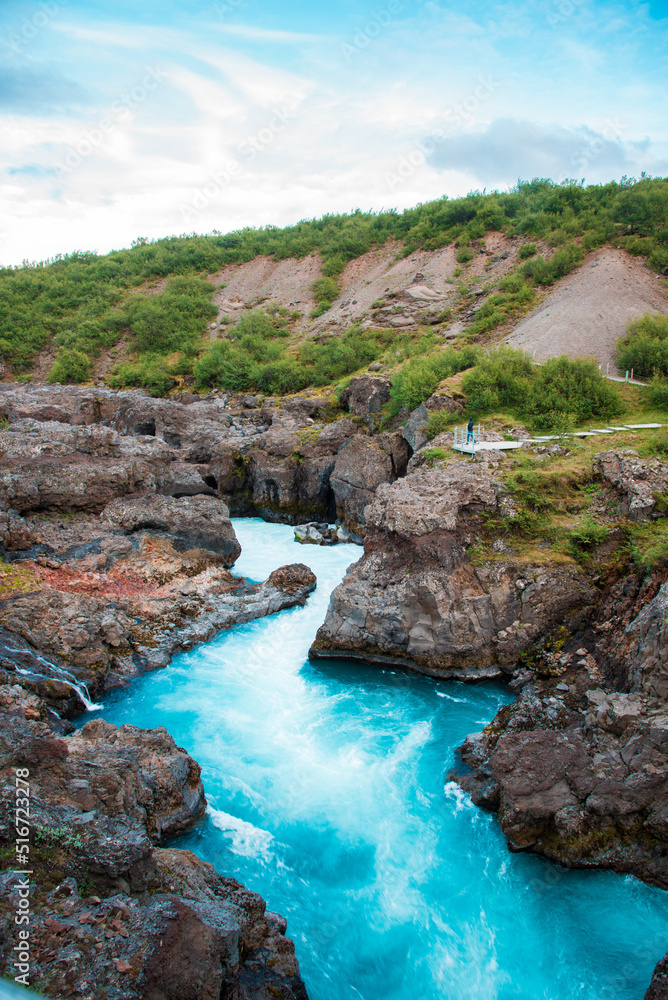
[(471, 449)]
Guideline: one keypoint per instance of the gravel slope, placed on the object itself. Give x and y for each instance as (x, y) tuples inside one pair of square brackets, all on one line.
[(587, 312)]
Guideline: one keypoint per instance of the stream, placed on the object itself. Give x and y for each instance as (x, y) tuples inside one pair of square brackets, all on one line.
[(327, 795)]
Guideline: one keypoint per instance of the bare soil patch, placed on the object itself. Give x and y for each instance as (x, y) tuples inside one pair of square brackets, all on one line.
[(586, 313)]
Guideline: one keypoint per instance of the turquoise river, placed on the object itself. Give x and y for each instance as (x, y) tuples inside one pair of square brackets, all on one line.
[(327, 794)]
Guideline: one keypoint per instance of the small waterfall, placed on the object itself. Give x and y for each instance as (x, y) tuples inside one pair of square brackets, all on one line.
[(61, 674), (18, 656)]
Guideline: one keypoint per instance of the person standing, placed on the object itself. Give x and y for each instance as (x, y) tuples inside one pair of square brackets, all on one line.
[(469, 431)]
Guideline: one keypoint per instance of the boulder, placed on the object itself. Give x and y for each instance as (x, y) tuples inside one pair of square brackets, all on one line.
[(365, 396), (194, 522), (316, 534), (362, 465), (636, 481)]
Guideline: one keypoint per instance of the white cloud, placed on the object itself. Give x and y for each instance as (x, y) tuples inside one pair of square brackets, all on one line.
[(267, 35), (346, 127)]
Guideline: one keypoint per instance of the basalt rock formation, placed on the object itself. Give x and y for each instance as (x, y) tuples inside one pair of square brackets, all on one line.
[(77, 449), (416, 599), (115, 594), (577, 767)]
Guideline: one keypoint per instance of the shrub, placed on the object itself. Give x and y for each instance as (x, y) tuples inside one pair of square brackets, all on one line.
[(282, 377), (71, 366), (645, 346), (464, 255), (657, 392), (258, 323), (433, 455), (527, 250), (586, 537), (658, 443), (500, 380), (565, 392), (150, 373), (166, 322), (514, 295), (564, 260), (440, 421), (225, 366), (335, 357), (325, 290), (417, 380), (553, 397)]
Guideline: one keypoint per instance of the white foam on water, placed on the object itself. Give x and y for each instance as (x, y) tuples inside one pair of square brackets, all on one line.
[(461, 799), (245, 839)]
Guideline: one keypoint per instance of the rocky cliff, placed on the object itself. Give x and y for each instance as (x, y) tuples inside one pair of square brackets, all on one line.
[(417, 599), (77, 449)]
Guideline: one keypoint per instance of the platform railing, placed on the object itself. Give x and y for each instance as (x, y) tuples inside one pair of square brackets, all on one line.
[(461, 433)]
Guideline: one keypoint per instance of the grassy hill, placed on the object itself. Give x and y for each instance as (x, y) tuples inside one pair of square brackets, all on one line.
[(157, 298)]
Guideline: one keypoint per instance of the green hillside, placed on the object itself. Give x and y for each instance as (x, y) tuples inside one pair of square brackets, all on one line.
[(155, 296)]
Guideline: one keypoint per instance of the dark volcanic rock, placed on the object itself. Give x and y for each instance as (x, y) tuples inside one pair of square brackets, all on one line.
[(578, 773), (196, 522), (658, 989), (362, 465), (636, 481), (105, 643), (416, 599), (365, 397)]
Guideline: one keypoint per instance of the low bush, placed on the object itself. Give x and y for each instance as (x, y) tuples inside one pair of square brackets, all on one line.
[(150, 372), (418, 378), (554, 397), (527, 250), (257, 363), (645, 346), (587, 536), (325, 291), (440, 421), (658, 443), (568, 391), (71, 366), (260, 324), (657, 392), (433, 455), (546, 271), (513, 297)]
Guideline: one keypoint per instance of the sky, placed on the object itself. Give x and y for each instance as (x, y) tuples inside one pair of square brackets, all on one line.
[(131, 120)]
